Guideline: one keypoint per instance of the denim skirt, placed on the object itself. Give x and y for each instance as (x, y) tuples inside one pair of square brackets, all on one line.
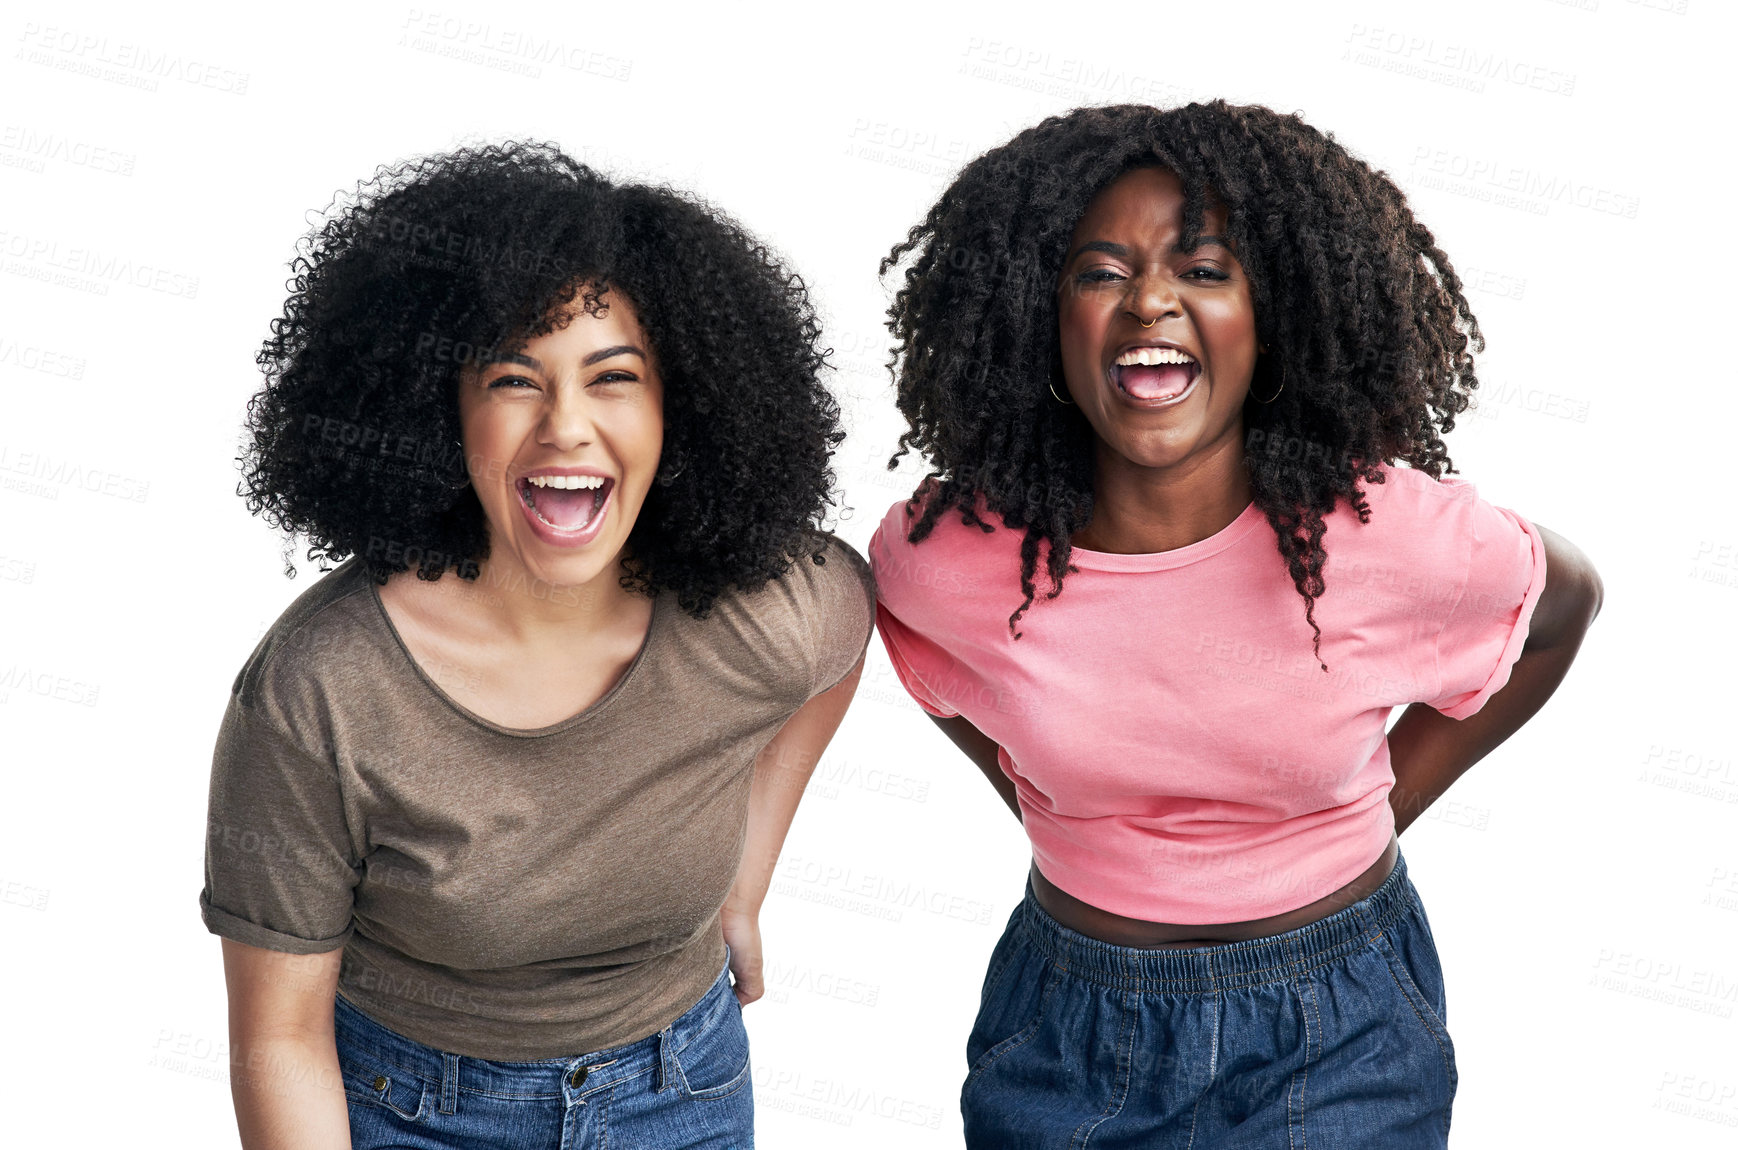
[(1329, 1036), (686, 1086)]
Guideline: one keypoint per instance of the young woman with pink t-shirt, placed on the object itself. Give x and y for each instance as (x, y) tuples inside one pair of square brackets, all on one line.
[(1196, 365)]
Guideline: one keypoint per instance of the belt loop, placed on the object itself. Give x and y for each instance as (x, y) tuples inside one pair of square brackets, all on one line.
[(668, 1073), (449, 1084)]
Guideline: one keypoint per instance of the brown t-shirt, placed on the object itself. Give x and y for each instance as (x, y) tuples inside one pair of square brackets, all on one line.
[(500, 893)]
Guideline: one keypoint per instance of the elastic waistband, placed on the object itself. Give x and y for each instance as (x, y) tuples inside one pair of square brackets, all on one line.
[(1205, 969), (545, 1078)]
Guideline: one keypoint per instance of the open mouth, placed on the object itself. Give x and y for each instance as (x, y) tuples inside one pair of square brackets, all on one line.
[(568, 503), (1155, 374)]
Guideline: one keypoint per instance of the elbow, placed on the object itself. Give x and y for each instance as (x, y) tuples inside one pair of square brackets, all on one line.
[(1596, 593), (1573, 597)]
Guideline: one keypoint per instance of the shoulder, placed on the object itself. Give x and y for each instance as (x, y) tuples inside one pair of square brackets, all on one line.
[(319, 649), (1411, 512), (1432, 539), (834, 571), (825, 573), (798, 627), (956, 556), (1409, 490)]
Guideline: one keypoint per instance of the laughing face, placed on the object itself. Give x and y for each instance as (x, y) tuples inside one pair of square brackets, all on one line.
[(562, 441), (1158, 343)]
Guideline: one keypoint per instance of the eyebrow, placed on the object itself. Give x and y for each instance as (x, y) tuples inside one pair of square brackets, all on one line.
[(1121, 252), (597, 356)]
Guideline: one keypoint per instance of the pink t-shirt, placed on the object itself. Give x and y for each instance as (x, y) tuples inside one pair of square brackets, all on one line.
[(1179, 754)]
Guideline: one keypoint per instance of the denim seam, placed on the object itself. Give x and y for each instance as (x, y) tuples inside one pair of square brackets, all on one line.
[(700, 1028), (1024, 1035), (449, 1084), (508, 1097), (378, 1098), (1294, 1098), (1124, 1073), (611, 1084), (710, 1093), (1212, 1066), (734, 1085), (1321, 1041), (1407, 989)]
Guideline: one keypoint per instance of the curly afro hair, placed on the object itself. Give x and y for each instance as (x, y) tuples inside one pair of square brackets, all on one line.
[(1368, 335), (453, 259)]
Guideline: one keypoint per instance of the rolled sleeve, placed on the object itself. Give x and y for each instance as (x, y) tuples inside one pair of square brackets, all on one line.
[(1484, 632), (907, 651), (279, 867)]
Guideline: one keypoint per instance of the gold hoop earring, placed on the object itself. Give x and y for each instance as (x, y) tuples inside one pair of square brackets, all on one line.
[(1058, 398), (1276, 390)]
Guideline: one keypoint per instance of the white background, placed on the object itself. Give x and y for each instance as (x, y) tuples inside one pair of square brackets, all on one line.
[(157, 170)]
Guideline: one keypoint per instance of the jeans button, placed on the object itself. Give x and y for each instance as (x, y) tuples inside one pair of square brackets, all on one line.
[(577, 1078), (380, 1082)]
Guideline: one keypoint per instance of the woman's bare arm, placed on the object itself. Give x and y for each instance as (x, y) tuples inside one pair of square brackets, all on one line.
[(283, 1058), (780, 773), (1430, 750)]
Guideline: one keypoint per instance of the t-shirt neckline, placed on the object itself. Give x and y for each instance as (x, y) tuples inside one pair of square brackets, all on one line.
[(465, 712), (1225, 538)]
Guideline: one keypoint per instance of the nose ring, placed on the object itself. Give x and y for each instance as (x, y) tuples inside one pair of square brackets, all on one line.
[(1150, 323)]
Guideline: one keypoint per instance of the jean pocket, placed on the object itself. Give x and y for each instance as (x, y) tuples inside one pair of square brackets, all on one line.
[(714, 1064), (1012, 1017), (1403, 957), (369, 1079)]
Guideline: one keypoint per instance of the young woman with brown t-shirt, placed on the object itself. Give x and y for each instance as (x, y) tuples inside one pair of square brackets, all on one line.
[(491, 800)]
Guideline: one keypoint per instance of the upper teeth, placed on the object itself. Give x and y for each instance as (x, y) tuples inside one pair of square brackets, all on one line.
[(1152, 357), (569, 482)]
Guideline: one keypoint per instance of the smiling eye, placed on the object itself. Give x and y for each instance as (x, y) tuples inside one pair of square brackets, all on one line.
[(614, 377), (510, 381), (1098, 276), (1208, 272)]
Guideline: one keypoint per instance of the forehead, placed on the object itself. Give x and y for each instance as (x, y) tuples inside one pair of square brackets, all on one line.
[(1144, 200), (615, 322)]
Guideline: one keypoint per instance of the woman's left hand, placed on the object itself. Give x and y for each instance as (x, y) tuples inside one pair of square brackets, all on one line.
[(742, 935)]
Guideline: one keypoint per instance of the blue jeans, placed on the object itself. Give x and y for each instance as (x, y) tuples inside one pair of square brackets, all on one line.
[(686, 1086), (1327, 1036)]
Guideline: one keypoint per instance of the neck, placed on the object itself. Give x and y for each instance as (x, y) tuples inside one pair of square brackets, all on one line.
[(1144, 510), (525, 608)]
